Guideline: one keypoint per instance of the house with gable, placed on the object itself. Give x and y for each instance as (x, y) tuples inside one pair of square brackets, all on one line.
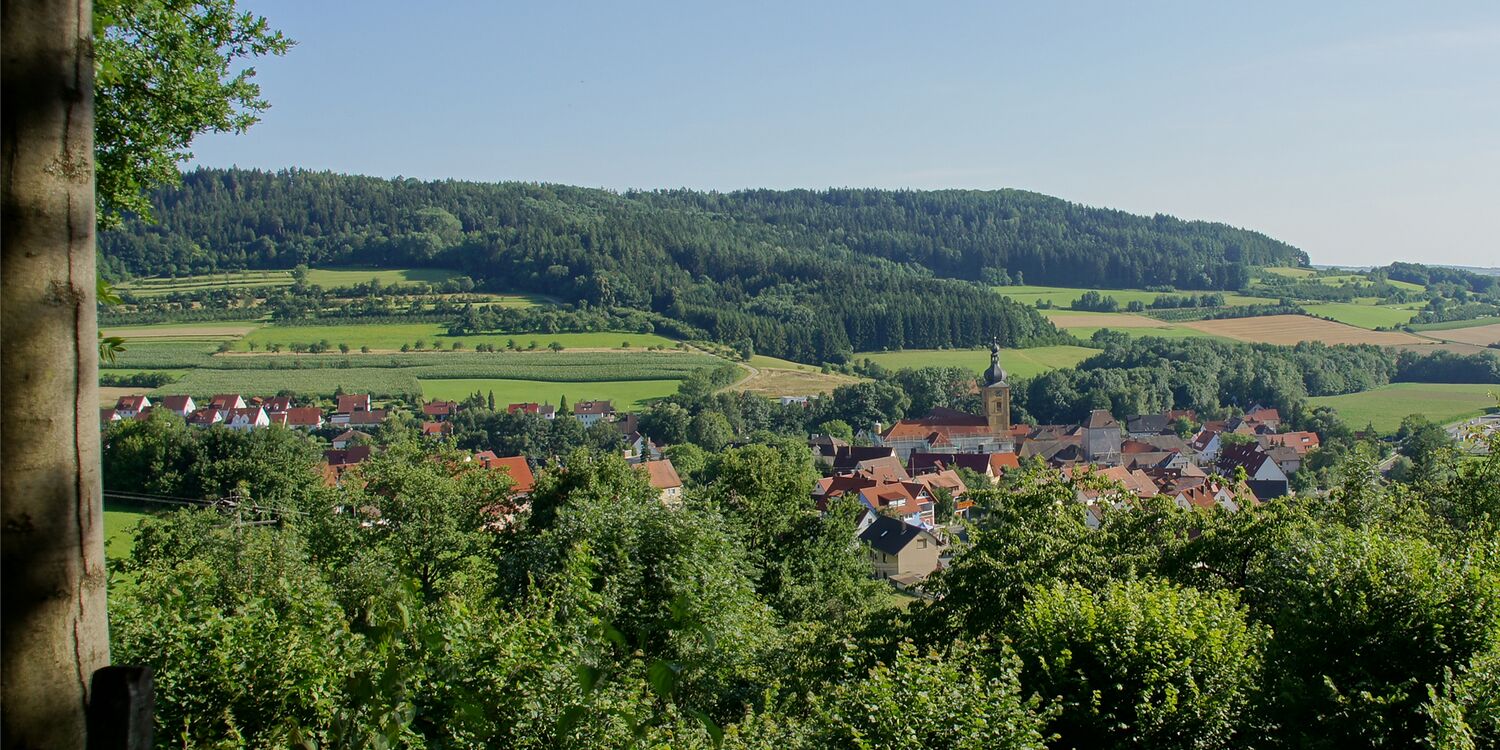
[(247, 418), (226, 402), (590, 412), (179, 405), (545, 411), (1265, 478), (439, 411), (900, 552), (127, 407), (663, 478)]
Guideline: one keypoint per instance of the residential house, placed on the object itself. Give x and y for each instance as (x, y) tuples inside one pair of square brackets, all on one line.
[(1261, 415), (589, 412), (1287, 458), (545, 411), (439, 411), (129, 406), (1301, 442), (1206, 446), (1265, 478), (523, 481), (247, 418), (437, 430), (900, 552), (338, 462), (842, 457), (369, 418), (179, 405), (352, 402), (663, 477), (989, 465), (1207, 494), (1142, 425), (299, 417), (107, 416), (350, 437), (277, 403), (226, 402), (207, 416)]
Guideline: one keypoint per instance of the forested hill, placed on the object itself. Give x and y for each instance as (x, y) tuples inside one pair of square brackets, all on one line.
[(801, 274)]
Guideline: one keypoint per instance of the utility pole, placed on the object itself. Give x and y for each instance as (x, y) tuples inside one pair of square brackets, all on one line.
[(52, 598)]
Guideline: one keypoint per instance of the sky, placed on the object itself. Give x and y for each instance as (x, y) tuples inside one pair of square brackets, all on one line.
[(1361, 132)]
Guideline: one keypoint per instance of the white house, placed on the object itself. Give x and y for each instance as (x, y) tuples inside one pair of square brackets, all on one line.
[(248, 418)]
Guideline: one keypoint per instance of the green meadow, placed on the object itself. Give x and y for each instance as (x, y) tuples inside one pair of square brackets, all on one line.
[(1385, 407), (1362, 316), (392, 336), (626, 394), (325, 277)]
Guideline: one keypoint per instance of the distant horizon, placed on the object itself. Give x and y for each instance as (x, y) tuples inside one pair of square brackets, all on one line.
[(1359, 132)]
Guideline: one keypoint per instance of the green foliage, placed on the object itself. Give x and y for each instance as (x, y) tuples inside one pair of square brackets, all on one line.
[(165, 74), (1140, 664)]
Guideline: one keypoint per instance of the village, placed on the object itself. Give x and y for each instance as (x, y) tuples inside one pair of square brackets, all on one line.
[(911, 479)]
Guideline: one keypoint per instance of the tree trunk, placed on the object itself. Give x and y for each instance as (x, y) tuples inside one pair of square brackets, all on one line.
[(55, 630)]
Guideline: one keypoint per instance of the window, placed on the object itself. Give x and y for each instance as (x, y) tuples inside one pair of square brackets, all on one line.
[(921, 544)]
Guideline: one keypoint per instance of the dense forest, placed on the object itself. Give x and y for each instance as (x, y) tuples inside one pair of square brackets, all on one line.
[(812, 276)]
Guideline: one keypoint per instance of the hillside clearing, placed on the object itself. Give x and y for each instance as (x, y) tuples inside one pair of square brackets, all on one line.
[(1362, 316), (774, 382), (1385, 407), (1293, 329), (1062, 296)]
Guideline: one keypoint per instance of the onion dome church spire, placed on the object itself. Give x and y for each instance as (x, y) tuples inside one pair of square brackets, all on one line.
[(996, 374)]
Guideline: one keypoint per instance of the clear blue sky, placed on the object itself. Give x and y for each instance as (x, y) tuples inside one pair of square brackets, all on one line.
[(1362, 132)]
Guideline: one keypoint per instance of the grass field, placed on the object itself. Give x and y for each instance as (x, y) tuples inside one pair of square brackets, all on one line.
[(332, 277), (1290, 272), (1291, 329), (774, 382), (1064, 296), (1094, 320), (390, 337), (1024, 363), (119, 531), (1362, 316), (626, 394), (1386, 407)]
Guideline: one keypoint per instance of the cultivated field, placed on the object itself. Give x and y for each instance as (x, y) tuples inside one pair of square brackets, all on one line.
[(1386, 407), (109, 395), (1292, 329), (626, 394), (391, 336), (1174, 331), (1476, 335), (1452, 324), (1023, 363), (380, 382), (184, 331)]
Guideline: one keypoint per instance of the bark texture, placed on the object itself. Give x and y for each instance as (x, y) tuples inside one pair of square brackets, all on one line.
[(55, 630)]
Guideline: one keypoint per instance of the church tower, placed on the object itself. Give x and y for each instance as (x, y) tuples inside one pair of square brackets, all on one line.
[(996, 393)]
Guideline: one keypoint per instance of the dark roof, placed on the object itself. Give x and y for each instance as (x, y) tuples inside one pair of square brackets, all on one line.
[(1249, 455), (1147, 423), (889, 535), (918, 461), (995, 374), (847, 456)]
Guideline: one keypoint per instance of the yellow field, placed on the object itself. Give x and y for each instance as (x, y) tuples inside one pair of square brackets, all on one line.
[(1293, 329)]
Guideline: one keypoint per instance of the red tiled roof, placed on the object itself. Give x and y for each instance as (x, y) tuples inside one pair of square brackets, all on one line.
[(662, 474), (304, 416), (516, 466), (439, 408), (131, 403), (593, 407), (178, 404), (353, 402)]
